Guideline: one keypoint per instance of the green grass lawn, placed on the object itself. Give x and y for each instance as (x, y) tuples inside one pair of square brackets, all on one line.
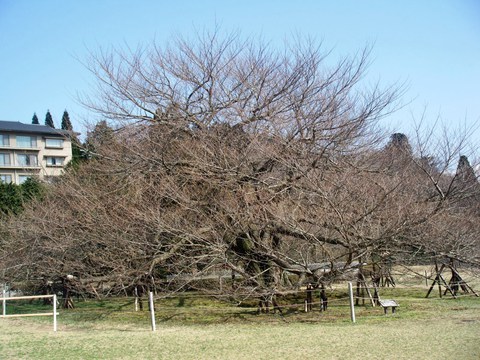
[(200, 328)]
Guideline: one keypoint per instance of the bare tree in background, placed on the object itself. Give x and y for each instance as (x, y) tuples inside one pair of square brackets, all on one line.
[(230, 156)]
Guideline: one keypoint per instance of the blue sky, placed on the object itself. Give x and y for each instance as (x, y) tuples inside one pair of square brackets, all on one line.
[(431, 46)]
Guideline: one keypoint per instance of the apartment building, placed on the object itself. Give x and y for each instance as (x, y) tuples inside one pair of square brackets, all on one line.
[(28, 150)]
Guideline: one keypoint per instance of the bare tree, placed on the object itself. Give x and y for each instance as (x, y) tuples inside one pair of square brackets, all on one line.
[(229, 157)]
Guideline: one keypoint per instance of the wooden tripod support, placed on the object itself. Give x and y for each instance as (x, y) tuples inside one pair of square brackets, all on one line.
[(455, 282)]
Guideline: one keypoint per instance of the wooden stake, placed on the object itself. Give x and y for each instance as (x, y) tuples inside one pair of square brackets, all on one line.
[(463, 283), (352, 307), (368, 289), (152, 311), (438, 277), (4, 303), (55, 313)]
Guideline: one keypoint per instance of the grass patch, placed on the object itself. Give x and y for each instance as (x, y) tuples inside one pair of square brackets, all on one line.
[(203, 328)]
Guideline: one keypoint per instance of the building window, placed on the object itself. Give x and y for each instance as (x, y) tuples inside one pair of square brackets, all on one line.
[(26, 141), (55, 161), (6, 178), (4, 140), (4, 159), (23, 178), (27, 159), (54, 143)]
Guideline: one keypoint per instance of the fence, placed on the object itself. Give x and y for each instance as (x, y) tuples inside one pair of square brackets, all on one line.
[(321, 303), (54, 313), (196, 306)]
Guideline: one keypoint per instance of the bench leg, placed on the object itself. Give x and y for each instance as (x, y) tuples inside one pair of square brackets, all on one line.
[(393, 309)]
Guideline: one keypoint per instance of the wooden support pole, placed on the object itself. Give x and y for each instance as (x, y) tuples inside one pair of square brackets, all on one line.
[(446, 286), (463, 283), (368, 289), (431, 287), (439, 272), (357, 300), (437, 280)]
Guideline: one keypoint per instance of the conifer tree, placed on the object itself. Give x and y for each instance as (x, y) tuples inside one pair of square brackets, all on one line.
[(66, 124), (35, 119), (49, 120), (465, 171)]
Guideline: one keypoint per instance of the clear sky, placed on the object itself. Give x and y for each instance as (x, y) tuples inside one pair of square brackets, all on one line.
[(432, 46)]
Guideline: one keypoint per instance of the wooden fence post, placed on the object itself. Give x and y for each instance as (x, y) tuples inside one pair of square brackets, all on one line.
[(152, 310), (352, 308), (54, 312), (4, 302)]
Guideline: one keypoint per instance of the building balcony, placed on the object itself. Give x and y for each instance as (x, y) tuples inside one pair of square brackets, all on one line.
[(19, 148), (16, 166)]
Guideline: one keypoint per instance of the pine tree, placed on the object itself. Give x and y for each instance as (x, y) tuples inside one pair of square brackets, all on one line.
[(66, 124), (35, 119), (49, 120)]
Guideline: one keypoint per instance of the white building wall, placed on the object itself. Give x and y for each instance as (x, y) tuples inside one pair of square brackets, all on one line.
[(43, 169)]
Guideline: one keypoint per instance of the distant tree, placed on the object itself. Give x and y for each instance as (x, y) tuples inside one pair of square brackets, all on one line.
[(399, 142), (66, 124), (101, 135), (49, 120), (14, 197), (10, 199), (35, 119), (32, 188), (465, 171)]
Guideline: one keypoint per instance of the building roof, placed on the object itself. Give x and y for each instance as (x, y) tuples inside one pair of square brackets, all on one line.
[(16, 126)]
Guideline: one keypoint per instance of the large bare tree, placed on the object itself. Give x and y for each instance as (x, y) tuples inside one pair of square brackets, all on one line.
[(232, 157)]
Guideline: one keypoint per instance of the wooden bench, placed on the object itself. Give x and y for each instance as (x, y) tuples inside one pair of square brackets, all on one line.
[(388, 303)]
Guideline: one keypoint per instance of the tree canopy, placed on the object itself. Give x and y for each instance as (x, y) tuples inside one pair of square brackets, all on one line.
[(228, 155)]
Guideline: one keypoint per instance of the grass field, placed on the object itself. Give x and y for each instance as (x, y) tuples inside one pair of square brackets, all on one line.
[(199, 328)]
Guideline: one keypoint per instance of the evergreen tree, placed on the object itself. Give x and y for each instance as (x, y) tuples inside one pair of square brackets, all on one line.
[(66, 124), (35, 119), (14, 197), (79, 155), (102, 134), (465, 171), (31, 189), (49, 120), (10, 199), (399, 142)]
